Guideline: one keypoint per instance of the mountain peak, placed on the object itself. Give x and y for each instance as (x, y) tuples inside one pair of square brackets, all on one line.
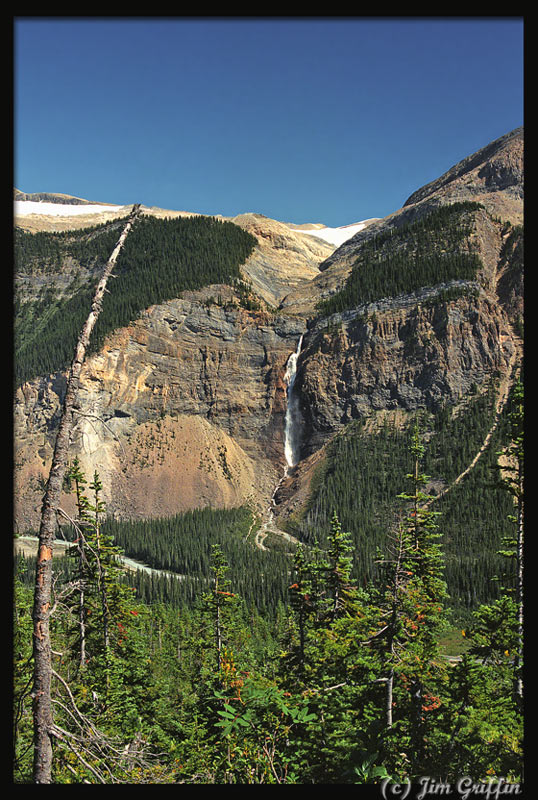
[(496, 167)]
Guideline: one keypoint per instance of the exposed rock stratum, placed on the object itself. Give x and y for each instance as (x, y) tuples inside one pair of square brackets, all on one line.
[(185, 406)]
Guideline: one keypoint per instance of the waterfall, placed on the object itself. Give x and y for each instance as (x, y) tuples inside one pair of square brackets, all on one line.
[(292, 427), (292, 439)]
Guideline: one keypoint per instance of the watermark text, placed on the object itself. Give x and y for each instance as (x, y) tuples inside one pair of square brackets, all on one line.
[(464, 788)]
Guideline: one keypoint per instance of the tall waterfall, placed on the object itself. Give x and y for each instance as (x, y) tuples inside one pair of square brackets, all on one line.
[(292, 440), (293, 420)]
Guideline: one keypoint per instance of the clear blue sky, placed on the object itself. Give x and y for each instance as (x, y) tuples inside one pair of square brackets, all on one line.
[(327, 119)]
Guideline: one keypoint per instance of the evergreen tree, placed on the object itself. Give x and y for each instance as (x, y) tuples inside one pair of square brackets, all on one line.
[(102, 595), (411, 619), (303, 607), (329, 663), (74, 476), (389, 640), (22, 679), (341, 591), (220, 605)]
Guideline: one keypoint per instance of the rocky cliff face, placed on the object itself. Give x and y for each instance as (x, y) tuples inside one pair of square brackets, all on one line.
[(402, 357), (185, 407), (492, 175), (415, 350), (283, 261)]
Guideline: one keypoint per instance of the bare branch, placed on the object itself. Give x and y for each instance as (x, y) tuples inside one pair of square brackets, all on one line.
[(66, 737), (86, 415)]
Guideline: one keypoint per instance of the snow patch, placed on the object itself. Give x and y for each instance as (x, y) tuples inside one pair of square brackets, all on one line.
[(336, 236)]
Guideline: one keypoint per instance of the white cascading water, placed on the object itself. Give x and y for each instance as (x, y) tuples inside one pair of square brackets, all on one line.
[(292, 438), (292, 426)]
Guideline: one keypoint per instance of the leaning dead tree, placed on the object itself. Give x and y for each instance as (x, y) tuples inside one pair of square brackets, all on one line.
[(41, 694)]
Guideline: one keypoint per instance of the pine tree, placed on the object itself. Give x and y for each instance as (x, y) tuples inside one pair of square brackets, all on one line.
[(302, 606), (341, 591), (102, 595), (22, 680), (220, 605), (425, 559), (411, 599), (75, 476), (389, 639)]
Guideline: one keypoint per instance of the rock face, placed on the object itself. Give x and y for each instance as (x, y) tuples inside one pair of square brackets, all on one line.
[(493, 175), (185, 407), (48, 197), (182, 409), (410, 351), (404, 357), (283, 260)]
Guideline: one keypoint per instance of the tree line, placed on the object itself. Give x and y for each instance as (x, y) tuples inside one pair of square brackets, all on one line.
[(182, 544), (161, 259)]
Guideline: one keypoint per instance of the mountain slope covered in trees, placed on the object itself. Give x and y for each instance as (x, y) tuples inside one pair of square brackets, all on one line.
[(161, 259), (317, 653)]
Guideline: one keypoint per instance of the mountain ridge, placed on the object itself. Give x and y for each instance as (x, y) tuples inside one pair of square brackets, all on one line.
[(192, 397)]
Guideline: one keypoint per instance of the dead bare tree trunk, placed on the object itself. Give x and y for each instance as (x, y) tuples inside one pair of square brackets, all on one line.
[(42, 708), (519, 585), (398, 580)]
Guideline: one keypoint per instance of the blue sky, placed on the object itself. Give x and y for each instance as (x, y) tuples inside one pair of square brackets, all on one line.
[(327, 119)]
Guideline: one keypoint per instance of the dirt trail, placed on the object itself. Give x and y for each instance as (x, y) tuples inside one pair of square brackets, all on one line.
[(504, 392)]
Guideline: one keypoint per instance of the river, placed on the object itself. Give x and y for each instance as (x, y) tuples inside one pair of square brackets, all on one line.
[(28, 546)]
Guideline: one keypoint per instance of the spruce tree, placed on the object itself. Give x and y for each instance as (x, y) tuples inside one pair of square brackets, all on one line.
[(341, 591), (98, 580), (303, 607), (220, 605), (411, 600)]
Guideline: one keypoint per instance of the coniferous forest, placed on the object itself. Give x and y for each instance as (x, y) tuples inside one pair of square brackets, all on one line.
[(336, 674), (429, 251), (161, 259), (385, 644)]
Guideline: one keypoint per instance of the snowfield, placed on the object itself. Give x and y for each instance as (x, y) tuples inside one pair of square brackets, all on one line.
[(24, 207), (336, 236)]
